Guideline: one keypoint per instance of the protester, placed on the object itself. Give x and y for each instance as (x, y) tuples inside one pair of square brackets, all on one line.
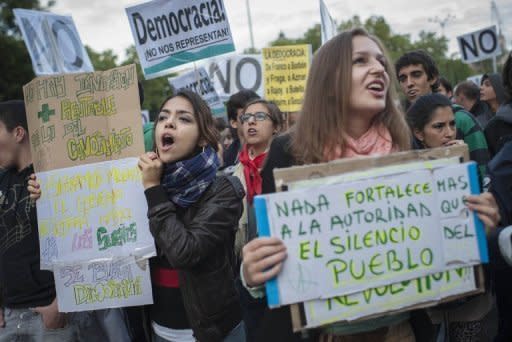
[(499, 128), (260, 122), (467, 95), (193, 217), (234, 108), (445, 88), (418, 75), (226, 138), (348, 111), (492, 92), (432, 122), (29, 304)]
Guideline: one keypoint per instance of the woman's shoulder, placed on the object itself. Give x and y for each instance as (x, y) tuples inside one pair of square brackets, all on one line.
[(225, 184)]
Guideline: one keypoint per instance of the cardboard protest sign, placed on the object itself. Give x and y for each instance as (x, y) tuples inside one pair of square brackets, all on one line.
[(388, 298), (83, 118), (171, 33), (402, 296), (85, 132), (285, 69), (199, 82), (93, 211), (235, 73), (103, 284), (385, 227), (52, 42)]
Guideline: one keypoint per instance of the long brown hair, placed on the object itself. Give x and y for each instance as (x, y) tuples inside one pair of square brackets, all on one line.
[(325, 108)]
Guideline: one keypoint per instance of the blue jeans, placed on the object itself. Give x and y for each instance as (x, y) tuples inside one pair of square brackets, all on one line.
[(101, 325), (23, 325)]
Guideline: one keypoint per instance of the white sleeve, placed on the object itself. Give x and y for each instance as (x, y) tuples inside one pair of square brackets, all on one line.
[(255, 292)]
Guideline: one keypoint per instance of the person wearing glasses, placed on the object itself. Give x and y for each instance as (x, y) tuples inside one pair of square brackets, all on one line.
[(260, 121)]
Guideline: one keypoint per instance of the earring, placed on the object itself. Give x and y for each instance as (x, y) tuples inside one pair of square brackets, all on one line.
[(204, 148)]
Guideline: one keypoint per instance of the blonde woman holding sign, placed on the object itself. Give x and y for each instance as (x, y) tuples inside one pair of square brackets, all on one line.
[(349, 110)]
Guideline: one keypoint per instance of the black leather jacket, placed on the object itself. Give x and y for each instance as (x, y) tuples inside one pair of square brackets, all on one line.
[(199, 242)]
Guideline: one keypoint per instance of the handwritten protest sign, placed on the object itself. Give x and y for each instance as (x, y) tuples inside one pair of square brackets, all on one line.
[(93, 211), (390, 297), (103, 284), (285, 69), (171, 33), (199, 82), (85, 132), (235, 73), (52, 42), (348, 237), (83, 118)]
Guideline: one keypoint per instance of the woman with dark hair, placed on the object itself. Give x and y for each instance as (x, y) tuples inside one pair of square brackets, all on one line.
[(261, 120), (432, 122), (193, 216)]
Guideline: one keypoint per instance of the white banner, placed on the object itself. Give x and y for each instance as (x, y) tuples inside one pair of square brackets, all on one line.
[(171, 33), (52, 42), (235, 73), (93, 211), (394, 226), (479, 45), (101, 284), (199, 82)]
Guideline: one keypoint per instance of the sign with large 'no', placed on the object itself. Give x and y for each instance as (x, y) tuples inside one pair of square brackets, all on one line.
[(479, 45), (52, 42)]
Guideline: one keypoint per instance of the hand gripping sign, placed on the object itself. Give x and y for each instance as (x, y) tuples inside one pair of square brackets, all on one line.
[(356, 240)]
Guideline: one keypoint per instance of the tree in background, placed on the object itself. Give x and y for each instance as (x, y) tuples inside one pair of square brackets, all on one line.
[(397, 44), (155, 90)]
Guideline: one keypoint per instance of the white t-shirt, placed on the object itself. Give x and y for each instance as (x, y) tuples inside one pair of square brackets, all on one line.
[(173, 335)]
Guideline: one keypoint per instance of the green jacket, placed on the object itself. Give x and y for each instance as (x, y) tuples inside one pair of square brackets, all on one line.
[(469, 130), (148, 136)]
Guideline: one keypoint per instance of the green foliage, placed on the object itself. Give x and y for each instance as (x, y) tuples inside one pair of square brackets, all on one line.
[(396, 44), (311, 36), (15, 68), (155, 90), (102, 60)]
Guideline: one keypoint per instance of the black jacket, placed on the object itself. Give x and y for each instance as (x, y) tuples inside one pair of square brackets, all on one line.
[(499, 128), (199, 242), (23, 283)]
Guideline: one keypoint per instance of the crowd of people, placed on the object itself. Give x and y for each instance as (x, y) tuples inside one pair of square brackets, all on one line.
[(200, 181)]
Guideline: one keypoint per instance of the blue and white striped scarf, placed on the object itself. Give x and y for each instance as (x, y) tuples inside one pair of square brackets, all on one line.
[(186, 180)]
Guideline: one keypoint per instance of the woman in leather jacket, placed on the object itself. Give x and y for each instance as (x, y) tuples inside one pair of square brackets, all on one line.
[(193, 216)]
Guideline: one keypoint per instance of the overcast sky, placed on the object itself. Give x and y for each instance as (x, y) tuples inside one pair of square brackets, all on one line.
[(103, 24)]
